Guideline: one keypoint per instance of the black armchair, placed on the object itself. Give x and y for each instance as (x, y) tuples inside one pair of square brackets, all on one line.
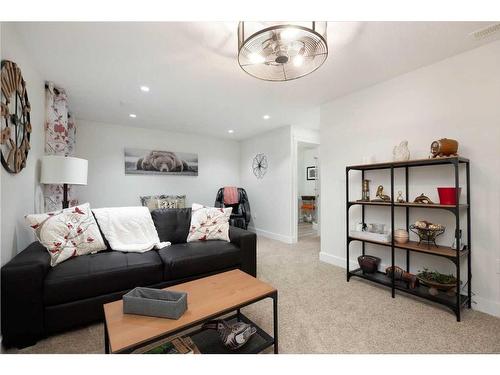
[(240, 217)]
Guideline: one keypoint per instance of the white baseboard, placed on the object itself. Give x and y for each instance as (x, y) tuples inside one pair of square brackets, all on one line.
[(271, 235), (486, 305), (332, 259), (480, 304)]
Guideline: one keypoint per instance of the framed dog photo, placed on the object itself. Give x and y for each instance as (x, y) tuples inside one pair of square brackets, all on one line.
[(311, 173), (139, 161)]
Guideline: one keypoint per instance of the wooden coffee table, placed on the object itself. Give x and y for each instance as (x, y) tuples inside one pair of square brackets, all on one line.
[(208, 298)]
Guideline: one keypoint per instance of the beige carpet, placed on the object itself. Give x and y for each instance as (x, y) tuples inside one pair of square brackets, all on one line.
[(320, 312)]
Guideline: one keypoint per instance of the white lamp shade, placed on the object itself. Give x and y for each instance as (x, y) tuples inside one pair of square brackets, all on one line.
[(64, 170)]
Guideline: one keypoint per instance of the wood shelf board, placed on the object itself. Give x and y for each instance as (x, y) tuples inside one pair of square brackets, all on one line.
[(409, 163), (421, 291), (444, 251), (408, 204)]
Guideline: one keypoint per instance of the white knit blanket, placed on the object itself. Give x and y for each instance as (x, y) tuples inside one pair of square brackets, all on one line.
[(129, 229)]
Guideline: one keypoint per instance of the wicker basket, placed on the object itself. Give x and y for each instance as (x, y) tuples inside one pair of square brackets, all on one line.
[(368, 263)]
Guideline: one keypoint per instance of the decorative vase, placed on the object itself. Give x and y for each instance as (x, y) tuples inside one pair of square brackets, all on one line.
[(401, 236), (401, 152)]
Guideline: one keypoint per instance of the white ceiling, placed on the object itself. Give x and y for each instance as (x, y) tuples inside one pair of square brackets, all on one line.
[(195, 81)]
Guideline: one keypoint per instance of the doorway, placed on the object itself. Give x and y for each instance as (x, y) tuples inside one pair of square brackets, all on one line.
[(308, 194)]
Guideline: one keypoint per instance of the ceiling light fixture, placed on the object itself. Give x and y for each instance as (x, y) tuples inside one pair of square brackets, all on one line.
[(255, 58), (298, 60), (230, 131), (281, 51), (145, 88), (133, 115), (266, 117)]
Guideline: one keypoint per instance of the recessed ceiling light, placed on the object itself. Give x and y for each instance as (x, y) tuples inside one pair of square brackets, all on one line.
[(230, 131), (145, 88), (266, 117), (133, 115)]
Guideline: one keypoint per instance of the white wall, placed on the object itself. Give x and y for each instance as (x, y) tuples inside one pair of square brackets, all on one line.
[(270, 197), (18, 190), (103, 146), (456, 98)]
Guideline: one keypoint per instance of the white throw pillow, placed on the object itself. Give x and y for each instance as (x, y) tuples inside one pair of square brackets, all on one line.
[(209, 223), (67, 233)]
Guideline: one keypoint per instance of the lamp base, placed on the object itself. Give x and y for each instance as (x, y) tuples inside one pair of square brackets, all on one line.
[(65, 202)]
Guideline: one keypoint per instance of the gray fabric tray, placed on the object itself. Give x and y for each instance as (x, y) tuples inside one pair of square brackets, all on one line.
[(155, 302)]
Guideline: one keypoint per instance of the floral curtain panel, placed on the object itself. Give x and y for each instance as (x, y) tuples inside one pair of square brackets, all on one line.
[(60, 132)]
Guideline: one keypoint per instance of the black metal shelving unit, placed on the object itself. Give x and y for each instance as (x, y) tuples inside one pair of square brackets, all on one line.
[(455, 302)]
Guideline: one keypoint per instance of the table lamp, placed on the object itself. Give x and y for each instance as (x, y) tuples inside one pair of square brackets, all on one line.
[(64, 170)]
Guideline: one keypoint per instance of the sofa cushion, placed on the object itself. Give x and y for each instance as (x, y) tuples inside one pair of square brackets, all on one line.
[(209, 223), (67, 233), (196, 258), (96, 274), (172, 224)]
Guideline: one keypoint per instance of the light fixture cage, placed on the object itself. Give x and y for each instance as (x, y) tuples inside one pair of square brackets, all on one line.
[(281, 51)]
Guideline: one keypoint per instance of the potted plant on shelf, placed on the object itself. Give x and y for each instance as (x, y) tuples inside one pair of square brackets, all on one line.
[(437, 281)]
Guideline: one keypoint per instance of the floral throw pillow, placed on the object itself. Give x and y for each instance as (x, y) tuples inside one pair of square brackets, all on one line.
[(209, 223), (67, 233)]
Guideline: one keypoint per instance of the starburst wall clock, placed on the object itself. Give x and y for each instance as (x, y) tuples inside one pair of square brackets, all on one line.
[(15, 118), (259, 165)]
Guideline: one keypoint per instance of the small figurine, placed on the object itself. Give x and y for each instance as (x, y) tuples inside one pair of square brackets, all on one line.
[(444, 147), (400, 198), (422, 199), (401, 152), (381, 196)]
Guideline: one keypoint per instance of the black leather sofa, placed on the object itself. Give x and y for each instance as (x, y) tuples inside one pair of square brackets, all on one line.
[(39, 300)]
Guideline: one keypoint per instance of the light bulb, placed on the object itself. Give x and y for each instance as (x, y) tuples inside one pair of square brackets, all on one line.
[(298, 60), (255, 58), (288, 33)]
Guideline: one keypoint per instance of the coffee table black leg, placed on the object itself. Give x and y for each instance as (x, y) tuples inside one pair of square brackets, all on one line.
[(106, 339), (238, 315), (275, 321)]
